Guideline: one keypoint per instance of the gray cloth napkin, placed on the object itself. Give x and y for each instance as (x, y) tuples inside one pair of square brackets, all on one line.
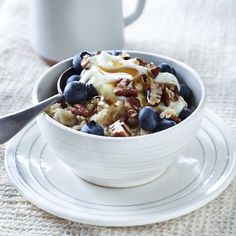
[(199, 33)]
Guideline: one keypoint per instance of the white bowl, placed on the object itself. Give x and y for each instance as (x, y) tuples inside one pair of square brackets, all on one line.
[(120, 161)]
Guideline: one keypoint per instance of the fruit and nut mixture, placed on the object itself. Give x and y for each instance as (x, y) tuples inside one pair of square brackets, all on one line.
[(113, 94)]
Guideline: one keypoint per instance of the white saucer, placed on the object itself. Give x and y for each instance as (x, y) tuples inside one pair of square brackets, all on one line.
[(200, 175)]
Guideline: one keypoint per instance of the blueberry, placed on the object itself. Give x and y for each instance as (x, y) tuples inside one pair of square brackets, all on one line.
[(164, 67), (117, 52), (185, 113), (92, 92), (164, 124), (73, 78), (185, 92), (148, 119), (75, 92), (92, 128), (77, 63), (172, 71), (82, 54)]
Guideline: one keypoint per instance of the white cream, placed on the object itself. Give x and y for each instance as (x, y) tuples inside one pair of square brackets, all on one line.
[(106, 68), (167, 78), (98, 77), (176, 106), (114, 63), (103, 81)]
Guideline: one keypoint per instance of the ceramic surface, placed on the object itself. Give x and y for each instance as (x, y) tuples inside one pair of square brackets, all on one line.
[(60, 29), (198, 176), (114, 161)]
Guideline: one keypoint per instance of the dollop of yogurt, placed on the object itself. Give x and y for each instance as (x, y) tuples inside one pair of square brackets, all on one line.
[(105, 69), (176, 106), (167, 78)]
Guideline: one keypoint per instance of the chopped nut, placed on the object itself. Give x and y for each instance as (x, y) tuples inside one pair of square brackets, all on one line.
[(132, 106), (154, 95), (165, 97), (145, 81), (124, 87), (162, 93), (85, 62), (175, 91), (171, 95), (123, 82), (155, 71), (98, 52), (172, 91), (125, 55), (150, 65), (141, 62), (126, 92), (80, 109), (119, 129), (168, 113)]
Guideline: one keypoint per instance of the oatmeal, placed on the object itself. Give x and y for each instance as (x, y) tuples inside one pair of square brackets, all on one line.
[(115, 95)]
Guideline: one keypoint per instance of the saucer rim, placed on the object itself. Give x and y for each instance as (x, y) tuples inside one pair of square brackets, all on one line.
[(59, 211)]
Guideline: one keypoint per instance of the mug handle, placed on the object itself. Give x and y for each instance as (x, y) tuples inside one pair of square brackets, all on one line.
[(135, 15)]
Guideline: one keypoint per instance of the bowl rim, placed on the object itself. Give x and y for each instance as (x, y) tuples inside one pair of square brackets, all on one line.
[(198, 109)]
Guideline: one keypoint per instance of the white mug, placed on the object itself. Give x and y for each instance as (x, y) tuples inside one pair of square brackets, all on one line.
[(62, 28)]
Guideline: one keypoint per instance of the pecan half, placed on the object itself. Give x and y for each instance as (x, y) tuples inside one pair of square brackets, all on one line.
[(154, 95), (126, 92), (146, 83), (175, 93), (165, 97), (150, 65), (80, 109), (169, 113), (132, 106), (141, 62), (98, 52), (85, 62), (119, 129), (124, 87), (155, 71), (123, 83)]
